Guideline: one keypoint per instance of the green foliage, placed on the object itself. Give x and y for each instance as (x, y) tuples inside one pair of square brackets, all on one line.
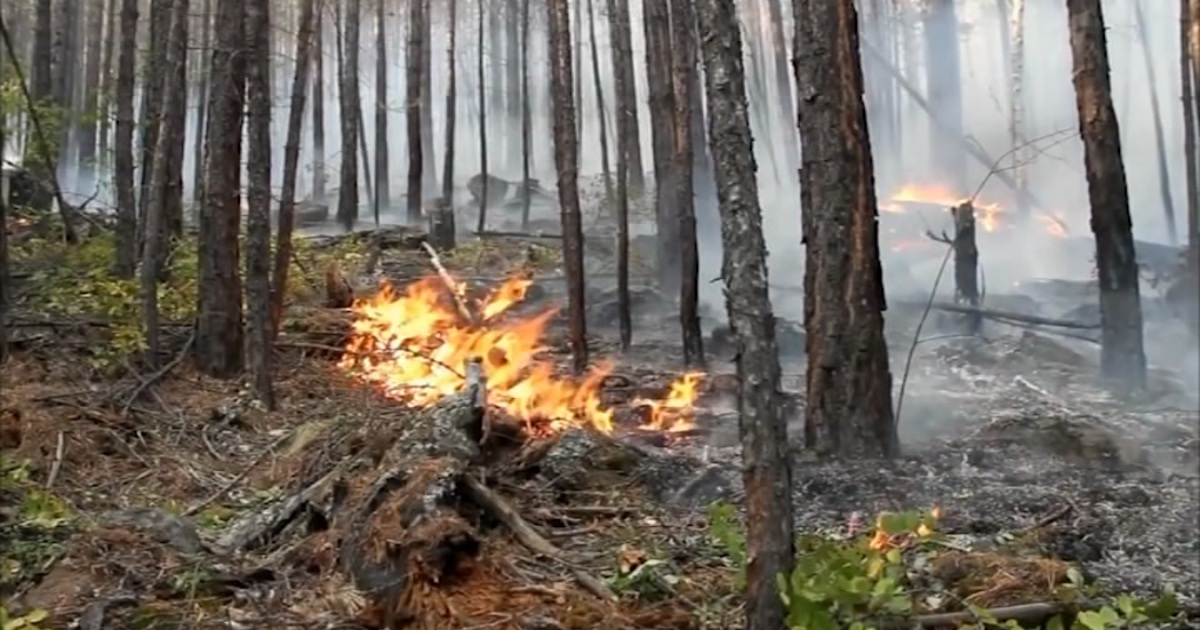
[(861, 582), (29, 621)]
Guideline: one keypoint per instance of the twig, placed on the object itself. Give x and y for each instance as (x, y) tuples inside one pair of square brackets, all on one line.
[(55, 467), (242, 475), (912, 348), (154, 378), (527, 536), (455, 288), (1053, 517)]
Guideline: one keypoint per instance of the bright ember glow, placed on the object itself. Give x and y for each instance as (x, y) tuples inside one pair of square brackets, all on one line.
[(415, 343), (676, 412)]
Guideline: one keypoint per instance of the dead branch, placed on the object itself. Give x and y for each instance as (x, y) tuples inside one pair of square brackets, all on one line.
[(456, 289), (242, 475), (1017, 317), (159, 375)]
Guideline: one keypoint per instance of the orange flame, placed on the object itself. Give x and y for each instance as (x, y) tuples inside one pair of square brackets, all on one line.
[(985, 213), (674, 414), (881, 540), (415, 343)]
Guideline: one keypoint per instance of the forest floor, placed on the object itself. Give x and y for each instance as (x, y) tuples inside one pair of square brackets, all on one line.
[(168, 499)]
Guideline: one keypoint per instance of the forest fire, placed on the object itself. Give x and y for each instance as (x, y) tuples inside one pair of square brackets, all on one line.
[(988, 215), (675, 413), (414, 344)]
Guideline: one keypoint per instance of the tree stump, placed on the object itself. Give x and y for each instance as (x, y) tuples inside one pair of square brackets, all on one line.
[(966, 264), (442, 231)]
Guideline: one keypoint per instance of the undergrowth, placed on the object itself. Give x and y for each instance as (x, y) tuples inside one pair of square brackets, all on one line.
[(871, 580)]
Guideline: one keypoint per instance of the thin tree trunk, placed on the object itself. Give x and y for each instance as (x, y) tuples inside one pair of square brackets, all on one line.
[(218, 345), (429, 169), (123, 172), (201, 103), (412, 107), (1017, 99), (783, 78), (92, 100), (1122, 357), (1192, 159), (383, 192), (526, 115), (683, 46), (258, 200), (107, 88), (761, 423), (577, 76), (513, 69), (305, 51), (657, 24), (1164, 171), (481, 222), (626, 93), (596, 83), (944, 92), (174, 95), (849, 411), (318, 109), (451, 103), (566, 160), (174, 114), (154, 74), (347, 209)]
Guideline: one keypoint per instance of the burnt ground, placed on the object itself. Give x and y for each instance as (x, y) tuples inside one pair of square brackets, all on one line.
[(121, 506)]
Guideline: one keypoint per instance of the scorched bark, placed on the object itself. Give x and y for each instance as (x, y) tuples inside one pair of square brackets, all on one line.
[(849, 409), (683, 47), (218, 345), (761, 422), (1121, 355)]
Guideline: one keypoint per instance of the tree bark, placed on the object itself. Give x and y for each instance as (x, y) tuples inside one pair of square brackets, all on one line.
[(91, 92), (258, 199), (451, 105), (412, 107), (526, 114), (849, 411), (761, 423), (1189, 65), (480, 67), (123, 175), (601, 116), (683, 45), (566, 160), (657, 24), (174, 94), (201, 103), (218, 345), (626, 95), (429, 168), (305, 50), (1122, 357), (104, 114), (154, 76), (349, 103), (174, 115), (318, 109), (383, 192)]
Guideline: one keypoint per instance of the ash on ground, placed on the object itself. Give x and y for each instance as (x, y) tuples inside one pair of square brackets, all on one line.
[(1005, 434)]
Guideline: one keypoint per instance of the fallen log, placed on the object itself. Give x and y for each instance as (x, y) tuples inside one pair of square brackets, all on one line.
[(967, 309)]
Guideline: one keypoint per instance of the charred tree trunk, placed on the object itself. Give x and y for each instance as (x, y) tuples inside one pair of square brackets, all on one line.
[(201, 103), (305, 51), (566, 161), (412, 107), (123, 170), (451, 104), (626, 96), (429, 168), (218, 345), (657, 24), (761, 423), (480, 69), (383, 192), (596, 83), (683, 45), (174, 93), (319, 193), (258, 199), (1122, 357), (154, 76), (347, 208), (966, 264), (849, 411), (526, 114)]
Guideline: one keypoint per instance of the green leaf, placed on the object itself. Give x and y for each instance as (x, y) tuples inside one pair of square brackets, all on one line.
[(37, 615), (1163, 608), (1103, 619)]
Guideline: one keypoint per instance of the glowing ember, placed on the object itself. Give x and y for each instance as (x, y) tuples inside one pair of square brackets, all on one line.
[(414, 344), (676, 412), (986, 214)]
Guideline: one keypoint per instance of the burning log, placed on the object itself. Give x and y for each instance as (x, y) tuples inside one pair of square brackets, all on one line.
[(966, 263)]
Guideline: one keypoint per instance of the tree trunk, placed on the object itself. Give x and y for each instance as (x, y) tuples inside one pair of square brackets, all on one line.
[(626, 94), (429, 168), (412, 108), (683, 45), (566, 161), (1122, 357), (944, 93), (91, 94), (657, 24), (65, 78), (258, 199), (175, 126), (305, 50), (347, 208), (383, 192), (123, 171), (849, 411), (601, 113), (107, 89), (154, 76), (761, 422), (218, 345), (451, 104), (1164, 171), (1017, 100), (512, 70), (318, 109), (174, 94), (201, 103), (5, 283), (480, 69), (1189, 16), (526, 115)]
